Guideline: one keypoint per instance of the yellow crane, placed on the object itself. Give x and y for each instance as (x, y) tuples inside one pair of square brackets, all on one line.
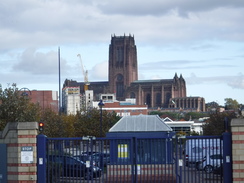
[(85, 74)]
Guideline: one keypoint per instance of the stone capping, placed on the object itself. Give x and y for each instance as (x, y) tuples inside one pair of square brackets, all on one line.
[(237, 122), (18, 126)]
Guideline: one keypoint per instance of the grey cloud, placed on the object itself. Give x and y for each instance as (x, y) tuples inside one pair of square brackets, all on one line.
[(42, 23), (236, 82), (183, 64), (38, 63), (99, 72), (159, 7)]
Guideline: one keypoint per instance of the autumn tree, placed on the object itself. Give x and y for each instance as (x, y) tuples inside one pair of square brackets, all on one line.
[(216, 125), (231, 104), (87, 123), (16, 107), (84, 123)]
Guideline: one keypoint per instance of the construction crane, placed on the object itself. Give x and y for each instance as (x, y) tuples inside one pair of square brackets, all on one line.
[(85, 74)]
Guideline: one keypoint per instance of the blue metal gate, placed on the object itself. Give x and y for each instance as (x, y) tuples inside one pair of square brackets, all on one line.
[(204, 159), (90, 159), (169, 160)]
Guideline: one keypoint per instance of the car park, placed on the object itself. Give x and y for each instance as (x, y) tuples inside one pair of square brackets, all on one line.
[(88, 159), (197, 149), (211, 163), (101, 159), (98, 158), (68, 166)]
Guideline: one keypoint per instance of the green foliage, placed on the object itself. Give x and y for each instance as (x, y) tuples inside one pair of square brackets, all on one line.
[(195, 115), (194, 133), (79, 125), (14, 107), (88, 122), (231, 104), (215, 125), (180, 115)]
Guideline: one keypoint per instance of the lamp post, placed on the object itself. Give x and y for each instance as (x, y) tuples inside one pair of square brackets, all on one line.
[(101, 104)]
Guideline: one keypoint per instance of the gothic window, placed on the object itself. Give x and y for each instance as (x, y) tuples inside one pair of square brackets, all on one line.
[(119, 90), (148, 100), (132, 95), (167, 97), (120, 85), (120, 54), (158, 100), (120, 78)]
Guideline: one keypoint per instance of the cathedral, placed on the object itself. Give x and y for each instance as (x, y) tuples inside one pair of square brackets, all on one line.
[(124, 83)]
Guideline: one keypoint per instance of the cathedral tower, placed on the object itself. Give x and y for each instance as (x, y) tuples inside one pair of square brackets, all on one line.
[(122, 64)]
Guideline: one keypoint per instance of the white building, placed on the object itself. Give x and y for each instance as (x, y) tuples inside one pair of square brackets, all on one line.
[(87, 101), (184, 126), (71, 100)]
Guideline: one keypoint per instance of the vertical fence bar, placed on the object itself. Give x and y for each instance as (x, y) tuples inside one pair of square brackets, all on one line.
[(227, 155), (41, 158)]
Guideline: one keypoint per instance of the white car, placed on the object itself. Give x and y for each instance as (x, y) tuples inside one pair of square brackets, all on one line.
[(211, 162)]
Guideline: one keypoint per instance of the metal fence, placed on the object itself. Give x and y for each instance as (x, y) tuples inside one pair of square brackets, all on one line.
[(169, 160)]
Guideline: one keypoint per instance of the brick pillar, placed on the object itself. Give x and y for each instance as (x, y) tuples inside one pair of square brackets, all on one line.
[(17, 135), (237, 128)]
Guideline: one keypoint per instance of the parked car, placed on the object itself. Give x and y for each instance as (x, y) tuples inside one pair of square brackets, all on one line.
[(71, 167), (85, 158), (101, 159), (219, 170), (197, 149), (211, 163)]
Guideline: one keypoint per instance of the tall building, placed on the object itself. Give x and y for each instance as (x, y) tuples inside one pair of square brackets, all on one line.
[(71, 99), (122, 64), (124, 83)]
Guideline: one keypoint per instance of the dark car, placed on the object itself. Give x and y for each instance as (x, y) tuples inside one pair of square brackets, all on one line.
[(68, 166), (98, 158), (85, 158), (101, 159)]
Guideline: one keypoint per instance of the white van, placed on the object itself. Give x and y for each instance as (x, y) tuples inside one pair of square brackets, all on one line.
[(197, 149)]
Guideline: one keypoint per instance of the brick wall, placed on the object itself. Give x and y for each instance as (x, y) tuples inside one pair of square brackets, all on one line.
[(237, 127), (17, 135)]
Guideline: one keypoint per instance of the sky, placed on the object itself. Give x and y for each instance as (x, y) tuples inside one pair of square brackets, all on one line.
[(203, 40)]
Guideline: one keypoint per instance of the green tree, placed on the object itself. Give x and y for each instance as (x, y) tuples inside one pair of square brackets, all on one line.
[(88, 123), (79, 125), (215, 125), (15, 107), (53, 125), (231, 104)]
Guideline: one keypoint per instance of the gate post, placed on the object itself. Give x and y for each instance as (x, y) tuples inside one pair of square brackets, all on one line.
[(227, 157), (41, 158)]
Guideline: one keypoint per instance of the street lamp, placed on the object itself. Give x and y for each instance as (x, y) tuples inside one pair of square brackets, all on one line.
[(101, 104)]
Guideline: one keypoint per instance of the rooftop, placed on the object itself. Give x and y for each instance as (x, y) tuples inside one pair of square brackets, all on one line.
[(140, 123)]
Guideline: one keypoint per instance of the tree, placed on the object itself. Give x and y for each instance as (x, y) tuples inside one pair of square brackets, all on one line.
[(84, 123), (231, 104), (88, 123), (215, 125), (15, 107)]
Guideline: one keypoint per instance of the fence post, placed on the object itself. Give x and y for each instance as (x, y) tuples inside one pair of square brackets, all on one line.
[(227, 157), (41, 158)]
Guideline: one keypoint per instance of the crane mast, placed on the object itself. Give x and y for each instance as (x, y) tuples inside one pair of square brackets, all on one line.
[(85, 74)]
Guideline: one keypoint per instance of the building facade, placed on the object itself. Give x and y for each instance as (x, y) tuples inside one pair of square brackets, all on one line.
[(71, 100), (45, 98), (124, 83)]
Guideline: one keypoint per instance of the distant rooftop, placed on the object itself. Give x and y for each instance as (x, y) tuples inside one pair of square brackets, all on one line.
[(153, 81), (140, 123)]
